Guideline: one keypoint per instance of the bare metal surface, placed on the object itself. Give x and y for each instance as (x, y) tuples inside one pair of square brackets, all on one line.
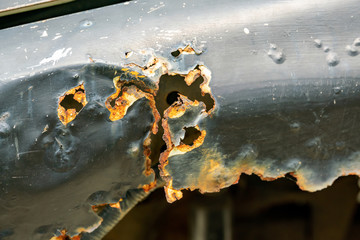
[(284, 76)]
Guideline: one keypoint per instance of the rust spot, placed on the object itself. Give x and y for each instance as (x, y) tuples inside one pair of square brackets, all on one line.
[(147, 151), (71, 103), (115, 205), (214, 174), (185, 50), (127, 93), (128, 54), (64, 236), (119, 102), (179, 108), (171, 194), (173, 95), (152, 66), (99, 207), (194, 139), (184, 148), (148, 187)]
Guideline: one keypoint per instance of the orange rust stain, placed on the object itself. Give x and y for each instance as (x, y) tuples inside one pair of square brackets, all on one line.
[(148, 187), (147, 151), (79, 95), (177, 111), (197, 143), (128, 92), (192, 76), (115, 205), (64, 236), (152, 66), (179, 108), (171, 194), (205, 73), (155, 112), (163, 160), (186, 50), (99, 207), (215, 175), (134, 73), (119, 83), (119, 102)]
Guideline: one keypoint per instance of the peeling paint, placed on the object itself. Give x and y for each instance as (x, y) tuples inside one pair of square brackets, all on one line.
[(57, 55)]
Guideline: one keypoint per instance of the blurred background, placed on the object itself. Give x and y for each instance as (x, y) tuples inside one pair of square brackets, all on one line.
[(250, 210)]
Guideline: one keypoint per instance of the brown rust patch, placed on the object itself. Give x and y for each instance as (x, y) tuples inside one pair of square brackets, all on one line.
[(71, 103)]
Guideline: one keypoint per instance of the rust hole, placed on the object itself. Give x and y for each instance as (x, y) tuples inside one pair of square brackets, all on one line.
[(70, 103), (175, 53), (163, 148), (170, 86), (191, 134), (172, 97), (112, 102)]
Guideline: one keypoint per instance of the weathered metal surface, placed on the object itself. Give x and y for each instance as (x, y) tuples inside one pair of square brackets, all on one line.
[(51, 174), (203, 90)]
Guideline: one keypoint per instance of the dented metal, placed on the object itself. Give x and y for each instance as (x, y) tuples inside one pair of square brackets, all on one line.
[(100, 108)]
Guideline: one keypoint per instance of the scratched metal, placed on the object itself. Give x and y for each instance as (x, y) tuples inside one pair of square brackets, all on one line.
[(284, 77)]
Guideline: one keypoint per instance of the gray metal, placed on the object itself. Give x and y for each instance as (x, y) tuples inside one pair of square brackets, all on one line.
[(284, 76)]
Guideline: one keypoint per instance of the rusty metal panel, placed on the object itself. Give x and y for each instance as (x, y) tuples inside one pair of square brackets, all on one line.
[(99, 108)]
